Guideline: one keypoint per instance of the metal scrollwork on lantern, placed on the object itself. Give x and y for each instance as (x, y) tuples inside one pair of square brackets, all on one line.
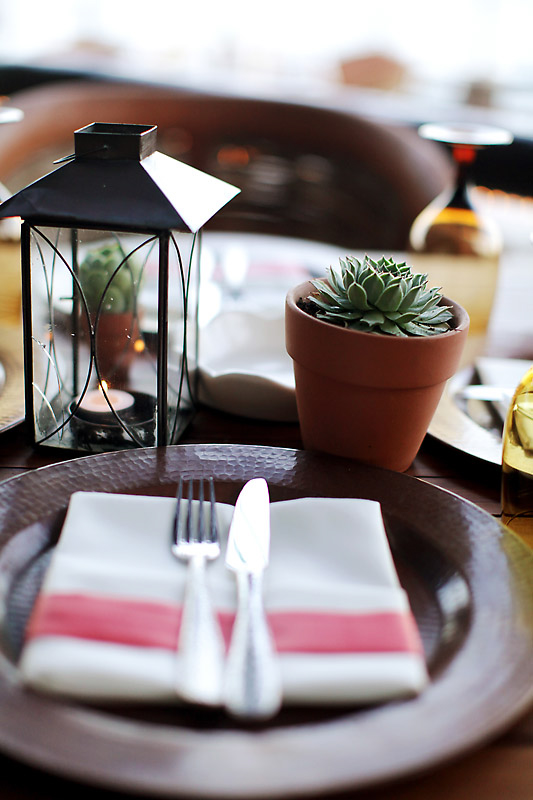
[(110, 251)]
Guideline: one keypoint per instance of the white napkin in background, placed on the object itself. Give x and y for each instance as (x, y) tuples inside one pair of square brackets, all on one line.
[(105, 624)]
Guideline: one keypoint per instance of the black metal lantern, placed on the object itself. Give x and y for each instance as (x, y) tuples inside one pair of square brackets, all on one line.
[(110, 270)]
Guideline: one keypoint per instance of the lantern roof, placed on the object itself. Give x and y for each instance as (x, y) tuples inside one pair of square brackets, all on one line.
[(116, 178)]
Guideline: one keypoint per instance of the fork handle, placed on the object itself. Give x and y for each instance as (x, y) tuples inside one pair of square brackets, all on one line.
[(252, 686), (200, 644)]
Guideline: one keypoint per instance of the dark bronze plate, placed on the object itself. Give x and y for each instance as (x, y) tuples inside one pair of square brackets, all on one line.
[(469, 581), (454, 423)]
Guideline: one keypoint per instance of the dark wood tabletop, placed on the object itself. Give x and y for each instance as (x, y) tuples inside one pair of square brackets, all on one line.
[(501, 768)]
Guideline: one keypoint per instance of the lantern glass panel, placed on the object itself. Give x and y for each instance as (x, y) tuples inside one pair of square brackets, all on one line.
[(182, 358), (108, 338)]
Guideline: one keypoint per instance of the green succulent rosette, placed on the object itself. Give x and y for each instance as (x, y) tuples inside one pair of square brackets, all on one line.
[(95, 272), (380, 296)]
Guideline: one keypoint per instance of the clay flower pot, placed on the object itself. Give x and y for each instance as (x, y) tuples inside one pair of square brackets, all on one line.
[(115, 337), (368, 396)]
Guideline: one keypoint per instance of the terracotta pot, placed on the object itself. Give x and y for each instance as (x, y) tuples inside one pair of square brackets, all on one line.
[(368, 396), (115, 337)]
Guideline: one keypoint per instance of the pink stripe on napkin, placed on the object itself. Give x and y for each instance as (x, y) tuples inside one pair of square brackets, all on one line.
[(141, 623)]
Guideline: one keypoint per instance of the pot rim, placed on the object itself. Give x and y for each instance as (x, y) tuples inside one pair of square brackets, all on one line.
[(371, 359), (460, 317)]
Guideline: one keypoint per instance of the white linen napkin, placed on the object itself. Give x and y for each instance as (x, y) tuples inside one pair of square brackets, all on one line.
[(106, 622)]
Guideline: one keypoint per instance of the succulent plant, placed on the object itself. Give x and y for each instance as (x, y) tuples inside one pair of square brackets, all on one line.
[(95, 271), (380, 296)]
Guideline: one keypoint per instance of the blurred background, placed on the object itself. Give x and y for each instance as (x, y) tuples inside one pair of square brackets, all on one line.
[(397, 64), (311, 109), (474, 52)]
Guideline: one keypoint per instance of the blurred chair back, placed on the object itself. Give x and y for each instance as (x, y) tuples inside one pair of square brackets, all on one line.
[(305, 171)]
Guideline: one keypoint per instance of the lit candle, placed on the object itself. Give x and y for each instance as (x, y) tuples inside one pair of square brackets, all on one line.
[(96, 402)]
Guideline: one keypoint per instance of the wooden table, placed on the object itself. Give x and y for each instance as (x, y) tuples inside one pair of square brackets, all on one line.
[(502, 769)]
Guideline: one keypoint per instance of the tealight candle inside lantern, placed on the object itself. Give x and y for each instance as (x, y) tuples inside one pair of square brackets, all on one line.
[(96, 402)]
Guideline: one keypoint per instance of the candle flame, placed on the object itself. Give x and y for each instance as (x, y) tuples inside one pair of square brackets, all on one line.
[(103, 386)]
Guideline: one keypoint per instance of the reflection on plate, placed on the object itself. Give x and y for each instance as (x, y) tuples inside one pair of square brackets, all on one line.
[(467, 579), (452, 425), (244, 367), (471, 424)]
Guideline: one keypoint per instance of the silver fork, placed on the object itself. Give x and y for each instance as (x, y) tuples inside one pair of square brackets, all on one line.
[(200, 645)]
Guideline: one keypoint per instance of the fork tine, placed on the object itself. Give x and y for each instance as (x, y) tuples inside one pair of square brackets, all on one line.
[(213, 530), (188, 524), (200, 525), (178, 517), (194, 526)]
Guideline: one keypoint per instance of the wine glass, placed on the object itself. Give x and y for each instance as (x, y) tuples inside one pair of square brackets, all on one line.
[(455, 244)]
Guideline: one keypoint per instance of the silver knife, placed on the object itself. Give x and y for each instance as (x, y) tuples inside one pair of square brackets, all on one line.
[(252, 682), (487, 393)]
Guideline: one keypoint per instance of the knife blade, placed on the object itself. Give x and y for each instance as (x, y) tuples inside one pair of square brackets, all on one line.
[(252, 681), (487, 393)]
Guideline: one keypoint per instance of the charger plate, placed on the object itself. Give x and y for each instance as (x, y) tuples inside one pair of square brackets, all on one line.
[(454, 424), (469, 583)]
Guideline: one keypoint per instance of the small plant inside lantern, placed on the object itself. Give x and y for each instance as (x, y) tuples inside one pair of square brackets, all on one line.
[(110, 260)]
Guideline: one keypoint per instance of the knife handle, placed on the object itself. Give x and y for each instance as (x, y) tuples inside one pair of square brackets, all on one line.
[(253, 681), (200, 645)]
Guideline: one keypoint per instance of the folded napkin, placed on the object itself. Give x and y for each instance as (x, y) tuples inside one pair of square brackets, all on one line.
[(105, 625)]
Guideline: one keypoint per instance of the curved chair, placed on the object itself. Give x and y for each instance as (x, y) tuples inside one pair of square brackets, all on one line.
[(305, 171)]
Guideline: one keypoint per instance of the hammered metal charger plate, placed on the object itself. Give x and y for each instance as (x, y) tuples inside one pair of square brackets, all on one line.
[(468, 579)]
